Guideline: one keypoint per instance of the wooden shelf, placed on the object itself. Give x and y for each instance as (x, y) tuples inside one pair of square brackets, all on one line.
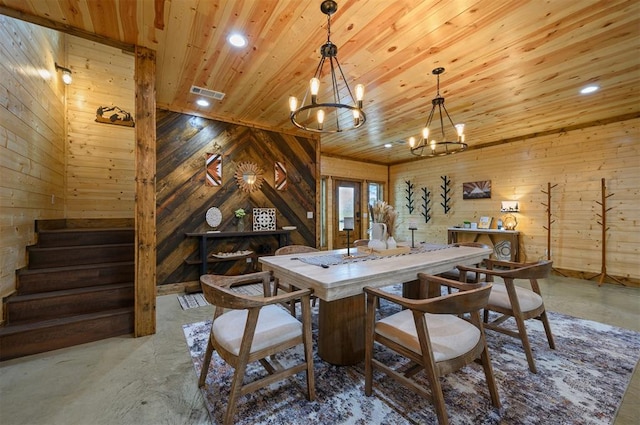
[(513, 236), (203, 258)]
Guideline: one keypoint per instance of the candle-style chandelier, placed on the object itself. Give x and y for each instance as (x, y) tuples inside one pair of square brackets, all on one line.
[(340, 114), (437, 143)]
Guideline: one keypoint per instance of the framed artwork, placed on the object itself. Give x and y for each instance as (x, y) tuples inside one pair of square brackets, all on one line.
[(280, 176), (213, 167), (264, 219), (485, 222), (476, 190)]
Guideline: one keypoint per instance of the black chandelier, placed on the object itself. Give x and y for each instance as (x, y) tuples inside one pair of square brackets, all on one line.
[(329, 117), (436, 143)]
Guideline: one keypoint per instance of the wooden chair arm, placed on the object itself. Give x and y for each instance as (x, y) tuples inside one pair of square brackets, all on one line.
[(537, 270), (456, 303), (460, 285), (243, 279)]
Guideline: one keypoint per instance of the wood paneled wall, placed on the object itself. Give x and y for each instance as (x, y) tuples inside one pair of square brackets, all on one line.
[(100, 158), (183, 198), (31, 139), (576, 162)]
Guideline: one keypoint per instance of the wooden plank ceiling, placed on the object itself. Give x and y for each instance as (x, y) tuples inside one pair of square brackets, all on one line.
[(513, 68)]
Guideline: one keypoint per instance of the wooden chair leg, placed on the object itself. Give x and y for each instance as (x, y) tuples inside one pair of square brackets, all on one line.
[(308, 350), (234, 393), (547, 329), (368, 349), (205, 364), (522, 332), (488, 373)]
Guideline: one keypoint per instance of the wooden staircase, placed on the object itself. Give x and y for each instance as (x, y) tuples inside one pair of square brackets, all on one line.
[(78, 287)]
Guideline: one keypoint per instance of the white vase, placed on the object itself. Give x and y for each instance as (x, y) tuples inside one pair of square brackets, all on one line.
[(391, 243)]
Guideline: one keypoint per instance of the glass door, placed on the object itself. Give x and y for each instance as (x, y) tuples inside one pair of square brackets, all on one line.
[(347, 213)]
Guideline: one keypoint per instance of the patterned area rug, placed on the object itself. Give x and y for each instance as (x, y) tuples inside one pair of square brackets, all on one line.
[(581, 382), (197, 300)]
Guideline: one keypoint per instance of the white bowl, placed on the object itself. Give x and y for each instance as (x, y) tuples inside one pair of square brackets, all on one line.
[(289, 227)]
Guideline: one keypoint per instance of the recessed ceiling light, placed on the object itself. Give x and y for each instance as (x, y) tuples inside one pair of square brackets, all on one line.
[(237, 40), (589, 89), (388, 145), (202, 102)]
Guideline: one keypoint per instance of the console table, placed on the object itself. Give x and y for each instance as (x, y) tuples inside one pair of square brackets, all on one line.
[(497, 238), (281, 235)]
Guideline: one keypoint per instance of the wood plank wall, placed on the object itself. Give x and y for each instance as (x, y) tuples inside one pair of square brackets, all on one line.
[(575, 161), (183, 198), (32, 100), (100, 158)]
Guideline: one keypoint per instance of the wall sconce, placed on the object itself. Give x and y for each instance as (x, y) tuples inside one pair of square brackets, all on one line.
[(66, 74), (510, 206)]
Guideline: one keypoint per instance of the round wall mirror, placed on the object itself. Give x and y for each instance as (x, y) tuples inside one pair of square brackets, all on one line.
[(248, 176)]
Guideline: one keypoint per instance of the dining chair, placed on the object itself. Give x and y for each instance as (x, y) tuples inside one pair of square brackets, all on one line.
[(433, 337), (511, 300), (471, 277), (361, 242), (246, 329), (287, 250)]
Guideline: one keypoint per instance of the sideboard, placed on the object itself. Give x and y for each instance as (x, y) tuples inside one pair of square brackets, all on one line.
[(204, 237), (505, 243)]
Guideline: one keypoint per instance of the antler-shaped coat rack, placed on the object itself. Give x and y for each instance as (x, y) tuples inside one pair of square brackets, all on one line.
[(603, 223), (409, 196), (446, 182), (425, 204)]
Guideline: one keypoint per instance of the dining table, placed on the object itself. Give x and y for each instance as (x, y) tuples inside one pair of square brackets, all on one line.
[(338, 277)]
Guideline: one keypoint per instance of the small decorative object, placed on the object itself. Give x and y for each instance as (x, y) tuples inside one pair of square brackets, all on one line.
[(509, 206), (426, 209), (502, 251), (114, 115), (213, 217), (348, 227), (382, 212), (391, 243), (476, 190), (248, 176), (240, 218), (446, 198), (413, 227), (280, 176), (409, 196), (213, 165), (509, 222), (485, 222), (264, 219)]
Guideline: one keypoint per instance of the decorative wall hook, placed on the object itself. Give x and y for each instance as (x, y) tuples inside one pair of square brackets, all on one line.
[(409, 196), (426, 200), (446, 199)]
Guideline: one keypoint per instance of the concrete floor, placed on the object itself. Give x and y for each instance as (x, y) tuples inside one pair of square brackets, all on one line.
[(151, 380)]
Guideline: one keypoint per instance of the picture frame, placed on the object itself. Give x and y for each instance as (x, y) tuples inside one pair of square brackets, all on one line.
[(476, 190), (264, 219), (485, 222)]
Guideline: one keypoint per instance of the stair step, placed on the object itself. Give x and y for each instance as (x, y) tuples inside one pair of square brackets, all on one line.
[(70, 302), (88, 236), (40, 258), (26, 339), (31, 281)]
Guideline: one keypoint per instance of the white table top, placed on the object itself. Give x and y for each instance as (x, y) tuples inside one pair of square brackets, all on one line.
[(345, 280)]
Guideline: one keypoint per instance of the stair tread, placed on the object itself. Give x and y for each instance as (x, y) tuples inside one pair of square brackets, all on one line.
[(72, 291), (10, 329), (71, 247), (87, 229), (74, 267)]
